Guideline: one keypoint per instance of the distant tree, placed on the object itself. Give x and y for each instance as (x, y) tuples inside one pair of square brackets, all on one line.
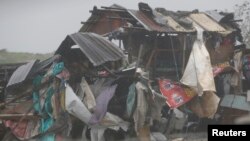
[(3, 50), (242, 11)]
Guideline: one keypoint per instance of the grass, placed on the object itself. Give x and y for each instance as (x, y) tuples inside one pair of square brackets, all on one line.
[(20, 57)]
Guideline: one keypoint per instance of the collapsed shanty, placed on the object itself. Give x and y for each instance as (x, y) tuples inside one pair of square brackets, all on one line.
[(169, 69)]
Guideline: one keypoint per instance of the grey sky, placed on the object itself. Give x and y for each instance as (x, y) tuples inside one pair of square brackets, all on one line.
[(39, 26)]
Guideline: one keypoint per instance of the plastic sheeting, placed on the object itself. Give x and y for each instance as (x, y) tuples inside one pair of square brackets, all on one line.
[(97, 134), (157, 136), (198, 73), (75, 106), (141, 106), (114, 122), (174, 93)]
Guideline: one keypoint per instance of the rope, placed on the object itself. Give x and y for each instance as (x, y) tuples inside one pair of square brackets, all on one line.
[(175, 61)]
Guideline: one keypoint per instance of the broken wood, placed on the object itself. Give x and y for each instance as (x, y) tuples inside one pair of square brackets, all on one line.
[(18, 116)]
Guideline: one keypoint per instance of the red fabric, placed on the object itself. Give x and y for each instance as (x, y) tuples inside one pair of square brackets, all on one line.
[(59, 138), (64, 75), (219, 68), (19, 129), (226, 42), (174, 93)]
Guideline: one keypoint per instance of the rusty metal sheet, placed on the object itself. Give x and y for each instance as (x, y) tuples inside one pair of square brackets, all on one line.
[(206, 23), (175, 25), (148, 23)]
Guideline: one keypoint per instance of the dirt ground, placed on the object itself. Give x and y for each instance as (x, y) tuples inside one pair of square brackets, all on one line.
[(201, 136)]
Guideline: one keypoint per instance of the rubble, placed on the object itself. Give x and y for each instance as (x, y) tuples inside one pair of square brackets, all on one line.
[(170, 71)]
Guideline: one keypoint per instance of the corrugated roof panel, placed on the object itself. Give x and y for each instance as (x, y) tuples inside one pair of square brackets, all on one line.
[(147, 23), (241, 103), (206, 23), (227, 101), (175, 25), (235, 102), (96, 48), (215, 15), (21, 73)]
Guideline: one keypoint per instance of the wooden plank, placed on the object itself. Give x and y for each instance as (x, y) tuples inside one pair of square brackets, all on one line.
[(248, 95)]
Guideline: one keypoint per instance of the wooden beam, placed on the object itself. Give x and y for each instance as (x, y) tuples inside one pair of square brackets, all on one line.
[(18, 116)]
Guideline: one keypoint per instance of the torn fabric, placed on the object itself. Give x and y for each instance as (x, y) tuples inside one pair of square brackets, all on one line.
[(114, 122), (131, 99), (18, 128), (198, 73), (102, 104), (206, 105), (23, 130), (237, 61), (156, 107), (85, 91), (141, 107)]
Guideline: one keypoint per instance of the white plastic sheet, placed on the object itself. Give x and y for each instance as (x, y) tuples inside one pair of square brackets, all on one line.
[(198, 73), (97, 134), (75, 106), (114, 122)]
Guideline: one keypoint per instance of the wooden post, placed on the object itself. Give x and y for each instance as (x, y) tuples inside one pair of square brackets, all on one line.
[(130, 48)]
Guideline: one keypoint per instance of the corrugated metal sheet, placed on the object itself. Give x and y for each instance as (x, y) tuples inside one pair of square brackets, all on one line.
[(176, 26), (172, 21), (235, 102), (206, 23), (29, 69), (21, 73), (215, 15), (148, 23), (96, 48), (103, 16), (227, 101), (171, 25)]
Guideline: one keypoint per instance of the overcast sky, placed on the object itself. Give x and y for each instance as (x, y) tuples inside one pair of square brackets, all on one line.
[(39, 26)]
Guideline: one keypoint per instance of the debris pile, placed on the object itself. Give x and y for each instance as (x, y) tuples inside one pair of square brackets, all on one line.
[(169, 72)]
